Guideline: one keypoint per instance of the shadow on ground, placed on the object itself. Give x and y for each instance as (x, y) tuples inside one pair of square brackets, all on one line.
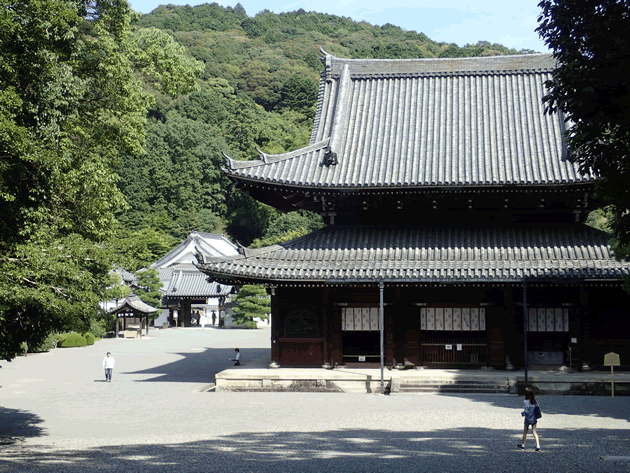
[(197, 366), (17, 424), (468, 449), (596, 406)]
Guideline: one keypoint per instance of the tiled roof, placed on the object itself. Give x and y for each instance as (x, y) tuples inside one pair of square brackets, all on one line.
[(134, 302), (429, 254), (187, 281), (208, 243), (427, 123)]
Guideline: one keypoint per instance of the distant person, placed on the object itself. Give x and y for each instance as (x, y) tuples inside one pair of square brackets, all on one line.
[(531, 413), (108, 366), (203, 320), (214, 318), (237, 358)]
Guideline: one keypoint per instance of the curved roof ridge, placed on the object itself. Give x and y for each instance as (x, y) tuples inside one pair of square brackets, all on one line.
[(233, 164), (461, 65)]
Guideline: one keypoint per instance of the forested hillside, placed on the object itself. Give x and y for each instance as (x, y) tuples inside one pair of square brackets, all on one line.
[(259, 89)]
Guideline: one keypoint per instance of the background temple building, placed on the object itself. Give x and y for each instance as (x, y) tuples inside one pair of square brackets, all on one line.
[(445, 183), (185, 288)]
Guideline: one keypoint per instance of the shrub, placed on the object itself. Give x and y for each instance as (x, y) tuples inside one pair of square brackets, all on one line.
[(74, 340), (48, 344), (89, 338), (60, 337), (97, 327), (250, 325)]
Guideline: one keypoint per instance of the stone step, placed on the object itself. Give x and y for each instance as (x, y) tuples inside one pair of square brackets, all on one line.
[(458, 390), (498, 387), (454, 382)]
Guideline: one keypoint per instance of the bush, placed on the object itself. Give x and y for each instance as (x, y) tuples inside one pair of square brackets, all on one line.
[(250, 325), (97, 327), (89, 338), (48, 344), (74, 340)]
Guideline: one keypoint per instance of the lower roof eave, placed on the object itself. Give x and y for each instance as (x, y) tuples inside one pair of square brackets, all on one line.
[(332, 282)]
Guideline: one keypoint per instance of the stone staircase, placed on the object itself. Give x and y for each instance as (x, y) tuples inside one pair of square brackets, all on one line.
[(409, 385)]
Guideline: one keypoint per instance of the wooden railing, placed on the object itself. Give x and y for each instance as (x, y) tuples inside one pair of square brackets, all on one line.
[(462, 351)]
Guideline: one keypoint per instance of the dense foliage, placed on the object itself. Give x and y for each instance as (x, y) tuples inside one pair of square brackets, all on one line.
[(258, 90), (148, 289), (71, 101), (84, 82), (591, 86), (252, 301)]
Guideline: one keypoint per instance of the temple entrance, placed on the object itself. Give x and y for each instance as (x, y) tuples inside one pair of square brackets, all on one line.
[(453, 336), (360, 335)]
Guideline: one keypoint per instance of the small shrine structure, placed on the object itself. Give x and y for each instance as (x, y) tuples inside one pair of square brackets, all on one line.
[(132, 316)]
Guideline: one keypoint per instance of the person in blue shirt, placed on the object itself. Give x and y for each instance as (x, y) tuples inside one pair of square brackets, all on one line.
[(529, 413)]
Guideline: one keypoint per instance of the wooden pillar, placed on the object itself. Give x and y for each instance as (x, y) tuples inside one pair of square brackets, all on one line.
[(390, 327), (583, 328), (513, 321), (325, 327), (275, 327), (412, 330)]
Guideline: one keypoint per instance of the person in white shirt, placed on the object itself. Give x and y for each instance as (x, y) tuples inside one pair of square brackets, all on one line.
[(237, 358), (108, 365), (203, 320)]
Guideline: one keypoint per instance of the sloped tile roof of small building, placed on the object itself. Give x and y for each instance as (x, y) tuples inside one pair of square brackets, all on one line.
[(186, 281), (134, 303), (429, 254), (427, 123)]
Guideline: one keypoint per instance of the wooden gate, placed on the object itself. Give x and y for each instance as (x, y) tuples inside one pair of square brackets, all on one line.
[(455, 351)]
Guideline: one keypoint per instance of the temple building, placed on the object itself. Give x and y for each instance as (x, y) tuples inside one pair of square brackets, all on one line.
[(186, 291), (451, 206)]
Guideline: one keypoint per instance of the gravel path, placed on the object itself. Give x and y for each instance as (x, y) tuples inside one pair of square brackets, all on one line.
[(57, 415)]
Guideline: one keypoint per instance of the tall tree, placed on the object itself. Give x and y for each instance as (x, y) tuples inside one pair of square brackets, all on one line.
[(148, 289), (252, 302), (591, 86), (71, 101)]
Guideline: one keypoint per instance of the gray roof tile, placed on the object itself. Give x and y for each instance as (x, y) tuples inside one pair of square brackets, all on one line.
[(429, 254), (188, 281), (427, 123)]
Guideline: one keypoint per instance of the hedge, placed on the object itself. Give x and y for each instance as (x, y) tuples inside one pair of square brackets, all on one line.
[(89, 338), (74, 340)]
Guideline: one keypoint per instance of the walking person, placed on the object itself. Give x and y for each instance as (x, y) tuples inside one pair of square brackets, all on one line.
[(237, 358), (531, 413), (108, 365)]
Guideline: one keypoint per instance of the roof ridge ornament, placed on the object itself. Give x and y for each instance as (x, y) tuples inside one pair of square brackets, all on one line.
[(242, 249), (340, 120), (327, 62), (263, 156), (228, 161), (330, 157)]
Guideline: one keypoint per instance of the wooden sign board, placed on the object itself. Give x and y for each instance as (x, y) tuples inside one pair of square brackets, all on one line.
[(612, 359)]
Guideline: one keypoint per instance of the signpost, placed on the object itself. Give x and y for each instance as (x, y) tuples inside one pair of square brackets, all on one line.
[(612, 360)]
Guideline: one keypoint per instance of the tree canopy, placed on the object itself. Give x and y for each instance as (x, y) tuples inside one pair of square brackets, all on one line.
[(591, 86), (71, 102), (251, 301)]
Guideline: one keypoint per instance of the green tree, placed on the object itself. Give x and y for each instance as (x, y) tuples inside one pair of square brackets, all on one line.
[(140, 248), (251, 301), (71, 101), (148, 289), (591, 86)]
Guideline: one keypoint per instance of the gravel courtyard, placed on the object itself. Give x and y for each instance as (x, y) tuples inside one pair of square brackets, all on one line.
[(58, 415)]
